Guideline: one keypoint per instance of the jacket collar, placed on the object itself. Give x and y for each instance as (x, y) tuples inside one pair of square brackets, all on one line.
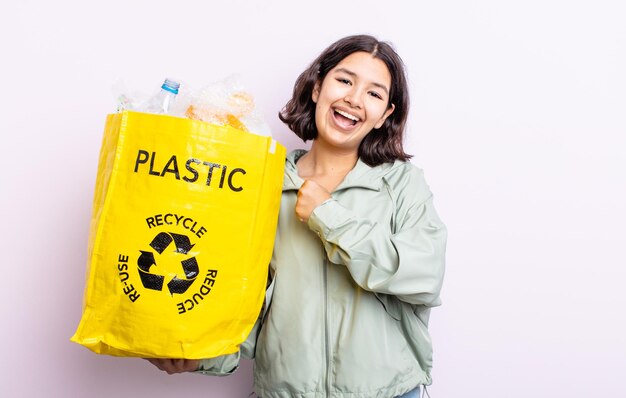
[(361, 176)]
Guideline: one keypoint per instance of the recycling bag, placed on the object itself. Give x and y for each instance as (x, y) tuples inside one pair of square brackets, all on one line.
[(183, 226)]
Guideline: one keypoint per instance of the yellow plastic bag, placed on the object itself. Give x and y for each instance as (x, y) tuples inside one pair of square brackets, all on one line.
[(184, 218)]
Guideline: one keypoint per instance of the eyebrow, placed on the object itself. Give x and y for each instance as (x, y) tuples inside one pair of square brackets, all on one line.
[(349, 72)]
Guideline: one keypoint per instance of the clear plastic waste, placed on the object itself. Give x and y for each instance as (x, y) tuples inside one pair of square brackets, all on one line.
[(227, 102), (224, 102), (163, 100)]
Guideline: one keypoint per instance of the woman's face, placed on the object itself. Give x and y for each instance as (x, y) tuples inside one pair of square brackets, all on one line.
[(352, 100)]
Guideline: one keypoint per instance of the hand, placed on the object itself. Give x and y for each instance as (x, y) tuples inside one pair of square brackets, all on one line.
[(172, 366), (310, 195)]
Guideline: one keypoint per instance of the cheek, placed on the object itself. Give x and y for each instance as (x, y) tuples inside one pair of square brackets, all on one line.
[(319, 109), (333, 92), (378, 112), (319, 117)]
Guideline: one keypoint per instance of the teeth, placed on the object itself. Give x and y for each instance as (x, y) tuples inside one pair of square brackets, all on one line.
[(345, 114)]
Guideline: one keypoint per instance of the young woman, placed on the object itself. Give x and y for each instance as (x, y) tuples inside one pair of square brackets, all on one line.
[(359, 254)]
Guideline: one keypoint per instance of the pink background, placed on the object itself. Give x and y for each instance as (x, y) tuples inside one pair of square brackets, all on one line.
[(517, 118)]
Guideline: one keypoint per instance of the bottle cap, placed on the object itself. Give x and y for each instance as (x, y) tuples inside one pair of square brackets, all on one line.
[(171, 86)]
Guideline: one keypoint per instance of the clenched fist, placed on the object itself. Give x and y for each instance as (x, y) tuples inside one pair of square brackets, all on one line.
[(310, 195)]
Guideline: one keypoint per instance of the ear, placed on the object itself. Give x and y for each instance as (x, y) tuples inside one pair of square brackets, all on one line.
[(388, 112), (316, 92)]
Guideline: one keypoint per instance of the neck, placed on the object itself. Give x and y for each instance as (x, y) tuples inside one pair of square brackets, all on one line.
[(321, 161)]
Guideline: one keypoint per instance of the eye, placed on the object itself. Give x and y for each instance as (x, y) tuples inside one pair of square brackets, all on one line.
[(344, 81), (375, 95)]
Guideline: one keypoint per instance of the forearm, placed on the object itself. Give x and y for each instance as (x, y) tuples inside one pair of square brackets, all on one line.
[(408, 264)]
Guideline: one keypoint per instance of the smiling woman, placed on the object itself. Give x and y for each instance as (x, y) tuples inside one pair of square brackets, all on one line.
[(352, 101), (385, 143), (359, 253)]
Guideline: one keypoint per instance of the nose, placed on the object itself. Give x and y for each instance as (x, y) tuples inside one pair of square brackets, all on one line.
[(353, 97)]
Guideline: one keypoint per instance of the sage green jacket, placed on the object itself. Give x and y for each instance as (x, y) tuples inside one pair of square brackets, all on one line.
[(352, 290)]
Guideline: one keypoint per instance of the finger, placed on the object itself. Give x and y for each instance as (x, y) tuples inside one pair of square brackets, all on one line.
[(169, 366), (302, 189), (180, 365), (155, 362), (306, 186), (298, 211), (191, 365)]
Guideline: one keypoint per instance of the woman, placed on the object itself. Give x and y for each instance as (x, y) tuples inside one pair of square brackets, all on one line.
[(359, 254)]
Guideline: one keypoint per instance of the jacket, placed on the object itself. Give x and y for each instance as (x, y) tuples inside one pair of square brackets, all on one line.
[(352, 288)]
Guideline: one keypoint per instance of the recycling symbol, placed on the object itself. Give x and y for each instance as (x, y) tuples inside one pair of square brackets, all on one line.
[(189, 265)]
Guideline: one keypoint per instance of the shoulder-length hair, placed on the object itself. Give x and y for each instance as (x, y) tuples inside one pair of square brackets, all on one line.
[(379, 145)]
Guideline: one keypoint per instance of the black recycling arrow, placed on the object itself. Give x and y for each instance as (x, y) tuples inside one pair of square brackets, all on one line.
[(179, 286), (146, 260), (183, 245), (190, 266), (161, 241), (149, 281)]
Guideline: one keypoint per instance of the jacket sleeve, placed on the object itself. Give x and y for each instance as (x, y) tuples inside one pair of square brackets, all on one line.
[(406, 261)]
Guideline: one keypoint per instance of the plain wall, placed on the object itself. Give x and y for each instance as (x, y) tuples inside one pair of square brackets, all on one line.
[(518, 119)]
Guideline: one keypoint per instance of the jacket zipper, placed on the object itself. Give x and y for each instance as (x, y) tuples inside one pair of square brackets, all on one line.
[(326, 337)]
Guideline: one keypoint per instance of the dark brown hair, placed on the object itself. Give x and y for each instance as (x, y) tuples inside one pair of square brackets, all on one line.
[(379, 145)]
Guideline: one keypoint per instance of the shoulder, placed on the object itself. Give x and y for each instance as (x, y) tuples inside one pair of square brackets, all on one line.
[(404, 179), (401, 169)]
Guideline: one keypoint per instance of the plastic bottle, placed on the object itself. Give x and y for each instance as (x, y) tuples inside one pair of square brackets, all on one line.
[(162, 101)]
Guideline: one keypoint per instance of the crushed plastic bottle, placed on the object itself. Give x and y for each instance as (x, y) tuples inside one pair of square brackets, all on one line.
[(162, 102)]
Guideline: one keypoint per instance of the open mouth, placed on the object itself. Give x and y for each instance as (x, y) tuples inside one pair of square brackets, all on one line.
[(344, 119)]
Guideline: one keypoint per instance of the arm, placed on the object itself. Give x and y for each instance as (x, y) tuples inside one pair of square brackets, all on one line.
[(223, 365), (227, 364), (408, 262)]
